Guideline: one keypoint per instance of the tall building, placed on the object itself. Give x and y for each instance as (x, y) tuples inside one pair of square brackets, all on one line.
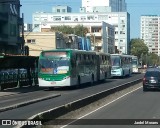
[(61, 9), (150, 32), (103, 6), (27, 27), (120, 21), (10, 23)]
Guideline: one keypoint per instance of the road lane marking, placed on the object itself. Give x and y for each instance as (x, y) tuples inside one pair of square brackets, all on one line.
[(101, 107)]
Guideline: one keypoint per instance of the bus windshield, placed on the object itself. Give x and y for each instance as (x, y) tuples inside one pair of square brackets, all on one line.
[(134, 62), (115, 60), (54, 66)]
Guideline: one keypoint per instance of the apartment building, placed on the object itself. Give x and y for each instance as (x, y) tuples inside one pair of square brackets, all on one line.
[(39, 41), (27, 27), (120, 21), (150, 32), (10, 21), (61, 9), (103, 6), (102, 32)]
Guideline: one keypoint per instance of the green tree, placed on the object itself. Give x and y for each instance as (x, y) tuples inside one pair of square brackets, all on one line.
[(78, 30), (153, 59), (138, 47), (64, 29)]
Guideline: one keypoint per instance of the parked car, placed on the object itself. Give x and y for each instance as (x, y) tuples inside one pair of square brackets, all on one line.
[(151, 79)]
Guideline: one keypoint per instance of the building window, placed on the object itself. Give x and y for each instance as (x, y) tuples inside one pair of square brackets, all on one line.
[(83, 18), (121, 47), (96, 30), (32, 41), (102, 17), (36, 25), (12, 29), (56, 18), (122, 32), (116, 40), (36, 18), (90, 17), (75, 18), (116, 32), (67, 18), (63, 10), (58, 10)]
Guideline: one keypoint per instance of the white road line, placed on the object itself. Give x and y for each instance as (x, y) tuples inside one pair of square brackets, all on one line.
[(101, 107)]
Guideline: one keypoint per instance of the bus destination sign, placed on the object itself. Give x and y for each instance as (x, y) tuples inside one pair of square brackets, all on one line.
[(57, 54)]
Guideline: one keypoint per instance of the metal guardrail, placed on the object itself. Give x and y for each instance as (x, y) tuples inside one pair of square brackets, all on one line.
[(64, 109)]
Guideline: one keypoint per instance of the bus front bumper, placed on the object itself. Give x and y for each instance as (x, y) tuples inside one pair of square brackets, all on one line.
[(44, 83), (117, 72)]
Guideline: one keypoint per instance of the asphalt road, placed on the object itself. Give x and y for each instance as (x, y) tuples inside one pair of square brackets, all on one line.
[(136, 107), (67, 95)]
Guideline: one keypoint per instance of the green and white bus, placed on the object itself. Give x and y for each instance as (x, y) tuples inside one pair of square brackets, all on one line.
[(68, 67)]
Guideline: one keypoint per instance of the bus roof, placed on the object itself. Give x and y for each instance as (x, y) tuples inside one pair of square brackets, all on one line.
[(69, 50), (123, 55), (134, 56), (62, 50)]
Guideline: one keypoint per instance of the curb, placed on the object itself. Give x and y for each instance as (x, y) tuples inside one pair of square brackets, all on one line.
[(28, 102), (12, 92)]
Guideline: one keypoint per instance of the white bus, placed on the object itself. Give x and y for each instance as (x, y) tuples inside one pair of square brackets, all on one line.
[(68, 67), (121, 65), (135, 64)]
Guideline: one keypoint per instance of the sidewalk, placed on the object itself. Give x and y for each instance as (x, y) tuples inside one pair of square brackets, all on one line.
[(14, 91)]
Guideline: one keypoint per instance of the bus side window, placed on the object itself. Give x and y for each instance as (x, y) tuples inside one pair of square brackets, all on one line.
[(77, 59), (84, 57), (73, 62), (105, 60), (101, 60), (89, 57)]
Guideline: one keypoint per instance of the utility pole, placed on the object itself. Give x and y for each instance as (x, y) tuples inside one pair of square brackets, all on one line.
[(94, 42)]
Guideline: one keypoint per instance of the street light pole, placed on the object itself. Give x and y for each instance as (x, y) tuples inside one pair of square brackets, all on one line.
[(94, 42)]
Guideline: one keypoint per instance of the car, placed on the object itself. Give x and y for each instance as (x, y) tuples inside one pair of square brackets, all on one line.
[(151, 79)]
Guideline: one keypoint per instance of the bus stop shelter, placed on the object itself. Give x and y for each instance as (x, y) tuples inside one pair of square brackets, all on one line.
[(18, 71)]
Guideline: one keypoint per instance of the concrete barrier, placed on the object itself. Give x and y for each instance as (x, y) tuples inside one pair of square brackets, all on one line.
[(64, 109)]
